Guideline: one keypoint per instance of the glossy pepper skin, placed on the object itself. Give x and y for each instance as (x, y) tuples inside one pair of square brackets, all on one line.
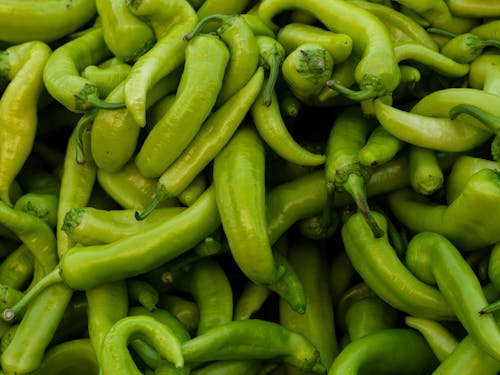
[(21, 67), (378, 264), (377, 72), (468, 222)]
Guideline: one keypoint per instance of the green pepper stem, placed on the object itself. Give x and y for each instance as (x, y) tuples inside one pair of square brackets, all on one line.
[(201, 24), (355, 186), (53, 277), (274, 68), (494, 306), (97, 102), (85, 123), (438, 31), (491, 121), (351, 94), (149, 208)]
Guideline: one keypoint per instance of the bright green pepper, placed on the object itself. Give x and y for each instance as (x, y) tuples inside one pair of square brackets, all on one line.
[(47, 21), (22, 67), (468, 222)]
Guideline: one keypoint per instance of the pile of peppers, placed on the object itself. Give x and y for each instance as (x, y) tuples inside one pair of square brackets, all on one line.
[(250, 187)]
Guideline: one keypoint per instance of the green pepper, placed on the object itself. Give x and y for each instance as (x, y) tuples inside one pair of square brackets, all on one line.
[(76, 356), (243, 50), (360, 312), (127, 36), (201, 81), (474, 8), (435, 260), (402, 28), (16, 270), (380, 147), (426, 176), (253, 339), (214, 134), (293, 34), (396, 350), (484, 73), (441, 340), (377, 71), (115, 357), (21, 66), (377, 263), (170, 22), (467, 221), (271, 56), (61, 74), (45, 21), (106, 78)]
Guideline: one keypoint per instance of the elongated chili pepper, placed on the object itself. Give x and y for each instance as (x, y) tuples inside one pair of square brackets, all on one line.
[(308, 257), (92, 226), (438, 133), (402, 28), (242, 161), (426, 176), (23, 66), (343, 172), (107, 304), (378, 264), (361, 312), (243, 50), (193, 191), (270, 125), (467, 356), (213, 135), (41, 205), (462, 169), (115, 134), (371, 353), (474, 8), (435, 260), (156, 242), (433, 59), (438, 14), (170, 23), (209, 286), (380, 147), (458, 220), (487, 29), (142, 292), (63, 357), (61, 74), (377, 72), (206, 59), (127, 36), (441, 341), (45, 21), (114, 354), (307, 69), (253, 339), (250, 300), (292, 35)]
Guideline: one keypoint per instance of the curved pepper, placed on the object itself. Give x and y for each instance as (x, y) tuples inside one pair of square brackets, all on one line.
[(396, 350), (469, 221), (377, 71), (380, 267), (436, 261), (115, 358)]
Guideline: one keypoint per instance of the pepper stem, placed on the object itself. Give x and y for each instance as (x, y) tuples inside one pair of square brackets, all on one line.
[(149, 208), (494, 306), (355, 186), (48, 280), (358, 96), (85, 123), (201, 24), (274, 68), (102, 104), (437, 31), (491, 121)]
